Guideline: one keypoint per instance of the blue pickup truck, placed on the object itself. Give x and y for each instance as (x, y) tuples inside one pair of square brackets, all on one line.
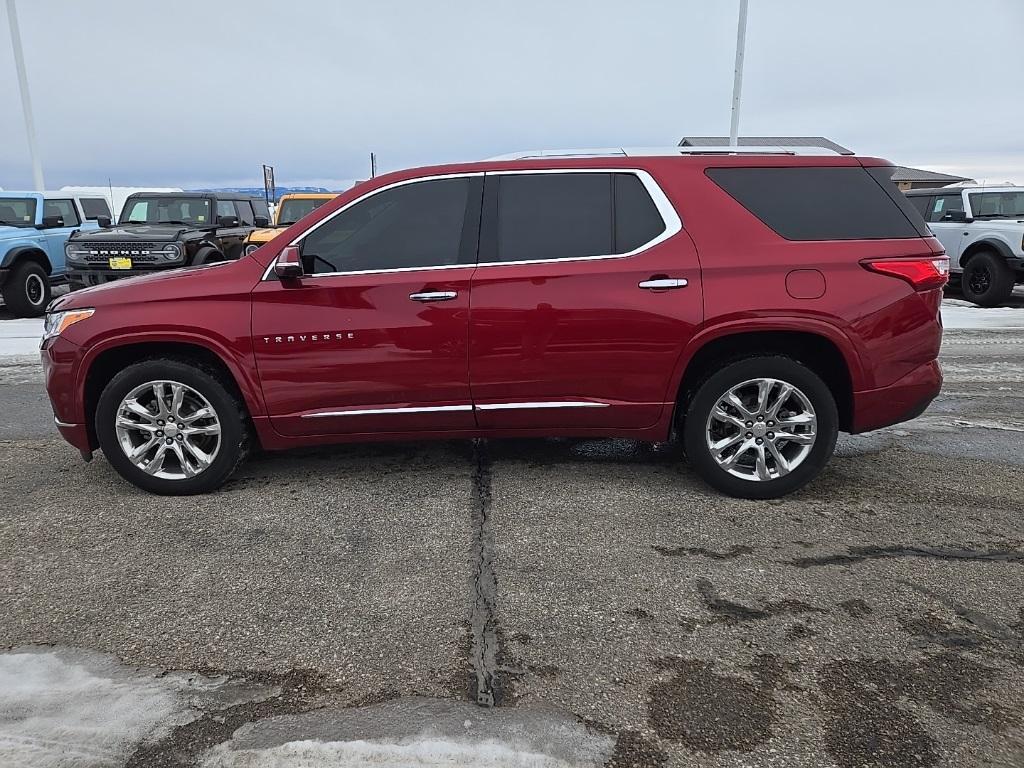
[(34, 226)]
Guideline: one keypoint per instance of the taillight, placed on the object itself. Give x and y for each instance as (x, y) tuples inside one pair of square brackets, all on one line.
[(923, 273)]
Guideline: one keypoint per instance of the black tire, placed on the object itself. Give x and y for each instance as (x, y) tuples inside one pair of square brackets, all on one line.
[(207, 256), (717, 385), (234, 438), (27, 290), (987, 280)]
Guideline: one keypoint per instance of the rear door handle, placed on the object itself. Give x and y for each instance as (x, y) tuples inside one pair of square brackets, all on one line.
[(664, 283), (434, 296)]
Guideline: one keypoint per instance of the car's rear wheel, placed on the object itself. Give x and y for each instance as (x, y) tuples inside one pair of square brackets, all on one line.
[(761, 427), (987, 280), (171, 427), (27, 290)]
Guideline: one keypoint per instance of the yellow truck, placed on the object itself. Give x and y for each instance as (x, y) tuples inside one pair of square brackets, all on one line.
[(290, 208)]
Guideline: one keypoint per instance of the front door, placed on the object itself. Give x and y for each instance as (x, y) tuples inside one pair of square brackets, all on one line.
[(585, 295), (57, 237), (373, 339)]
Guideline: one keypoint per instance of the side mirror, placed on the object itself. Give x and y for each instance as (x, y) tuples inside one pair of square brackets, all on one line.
[(103, 222), (51, 222), (227, 221), (955, 216), (289, 264), (261, 221)]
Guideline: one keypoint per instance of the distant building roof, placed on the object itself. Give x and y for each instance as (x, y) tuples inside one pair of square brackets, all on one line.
[(917, 175), (765, 141)]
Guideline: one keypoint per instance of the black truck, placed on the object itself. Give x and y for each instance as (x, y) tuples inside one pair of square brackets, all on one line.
[(158, 231)]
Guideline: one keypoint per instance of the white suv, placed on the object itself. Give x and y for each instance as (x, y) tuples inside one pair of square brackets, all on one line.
[(982, 230)]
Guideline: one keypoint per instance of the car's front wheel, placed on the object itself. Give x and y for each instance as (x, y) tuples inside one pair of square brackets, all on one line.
[(27, 290), (761, 427), (171, 427)]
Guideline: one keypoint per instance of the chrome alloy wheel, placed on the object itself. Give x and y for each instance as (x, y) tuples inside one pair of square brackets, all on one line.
[(761, 429), (168, 430)]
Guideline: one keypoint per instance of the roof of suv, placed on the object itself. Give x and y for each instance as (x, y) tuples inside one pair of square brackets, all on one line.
[(957, 189), (179, 195)]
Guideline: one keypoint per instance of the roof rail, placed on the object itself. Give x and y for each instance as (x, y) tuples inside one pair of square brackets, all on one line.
[(538, 154)]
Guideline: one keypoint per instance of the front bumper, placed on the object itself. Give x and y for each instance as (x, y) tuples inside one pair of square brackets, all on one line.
[(903, 400), (59, 358)]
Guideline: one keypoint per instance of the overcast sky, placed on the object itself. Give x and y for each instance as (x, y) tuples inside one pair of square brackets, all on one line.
[(201, 92)]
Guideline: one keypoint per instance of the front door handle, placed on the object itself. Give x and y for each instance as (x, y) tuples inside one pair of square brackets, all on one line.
[(663, 283), (434, 296)]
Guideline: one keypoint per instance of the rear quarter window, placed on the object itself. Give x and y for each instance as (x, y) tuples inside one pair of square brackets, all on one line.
[(821, 203), (94, 207)]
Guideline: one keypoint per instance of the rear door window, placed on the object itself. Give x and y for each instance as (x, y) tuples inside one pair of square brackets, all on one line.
[(819, 203), (65, 209), (548, 216), (637, 220), (245, 214), (921, 204)]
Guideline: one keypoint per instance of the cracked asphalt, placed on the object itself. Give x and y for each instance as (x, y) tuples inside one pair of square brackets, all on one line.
[(876, 618)]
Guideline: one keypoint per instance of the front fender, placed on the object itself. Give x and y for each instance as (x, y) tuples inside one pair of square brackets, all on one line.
[(14, 249), (242, 370)]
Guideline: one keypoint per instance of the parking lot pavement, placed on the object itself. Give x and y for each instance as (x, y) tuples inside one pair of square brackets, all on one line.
[(874, 618)]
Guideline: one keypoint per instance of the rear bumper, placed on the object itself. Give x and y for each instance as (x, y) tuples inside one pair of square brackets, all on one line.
[(902, 400)]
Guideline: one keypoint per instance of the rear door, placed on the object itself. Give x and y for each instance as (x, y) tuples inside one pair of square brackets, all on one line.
[(585, 294)]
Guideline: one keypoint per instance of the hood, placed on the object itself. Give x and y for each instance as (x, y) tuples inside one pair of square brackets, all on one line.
[(264, 235), (142, 232), (156, 286)]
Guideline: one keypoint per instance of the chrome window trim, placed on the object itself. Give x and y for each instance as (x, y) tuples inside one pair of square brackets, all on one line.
[(466, 407), (669, 216)]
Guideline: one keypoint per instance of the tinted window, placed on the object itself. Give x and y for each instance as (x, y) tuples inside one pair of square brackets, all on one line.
[(261, 208), (226, 208), (943, 204), (554, 216), (637, 220), (94, 207), (164, 210), (998, 204), (921, 204), (414, 225), (245, 214), (65, 209), (816, 203)]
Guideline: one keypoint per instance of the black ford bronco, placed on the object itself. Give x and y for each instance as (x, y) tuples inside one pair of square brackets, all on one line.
[(158, 231)]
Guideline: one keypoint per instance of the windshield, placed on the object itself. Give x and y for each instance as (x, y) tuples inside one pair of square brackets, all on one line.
[(17, 212), (294, 209), (167, 210), (993, 205)]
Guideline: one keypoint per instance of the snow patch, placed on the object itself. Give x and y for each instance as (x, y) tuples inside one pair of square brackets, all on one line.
[(20, 337), (434, 752), (69, 708), (960, 314)]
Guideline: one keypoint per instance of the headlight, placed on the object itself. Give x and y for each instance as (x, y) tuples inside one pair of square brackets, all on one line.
[(76, 251), (170, 252), (56, 323), (251, 247)]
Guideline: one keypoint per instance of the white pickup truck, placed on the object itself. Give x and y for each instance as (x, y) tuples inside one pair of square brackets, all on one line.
[(982, 230)]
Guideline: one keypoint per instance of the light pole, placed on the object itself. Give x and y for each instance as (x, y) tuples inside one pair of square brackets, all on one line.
[(26, 103), (737, 80)]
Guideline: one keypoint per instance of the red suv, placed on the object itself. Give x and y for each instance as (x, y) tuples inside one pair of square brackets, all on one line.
[(756, 303)]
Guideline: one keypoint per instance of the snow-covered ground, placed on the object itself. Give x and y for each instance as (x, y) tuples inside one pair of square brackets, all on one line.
[(20, 337), (71, 708)]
